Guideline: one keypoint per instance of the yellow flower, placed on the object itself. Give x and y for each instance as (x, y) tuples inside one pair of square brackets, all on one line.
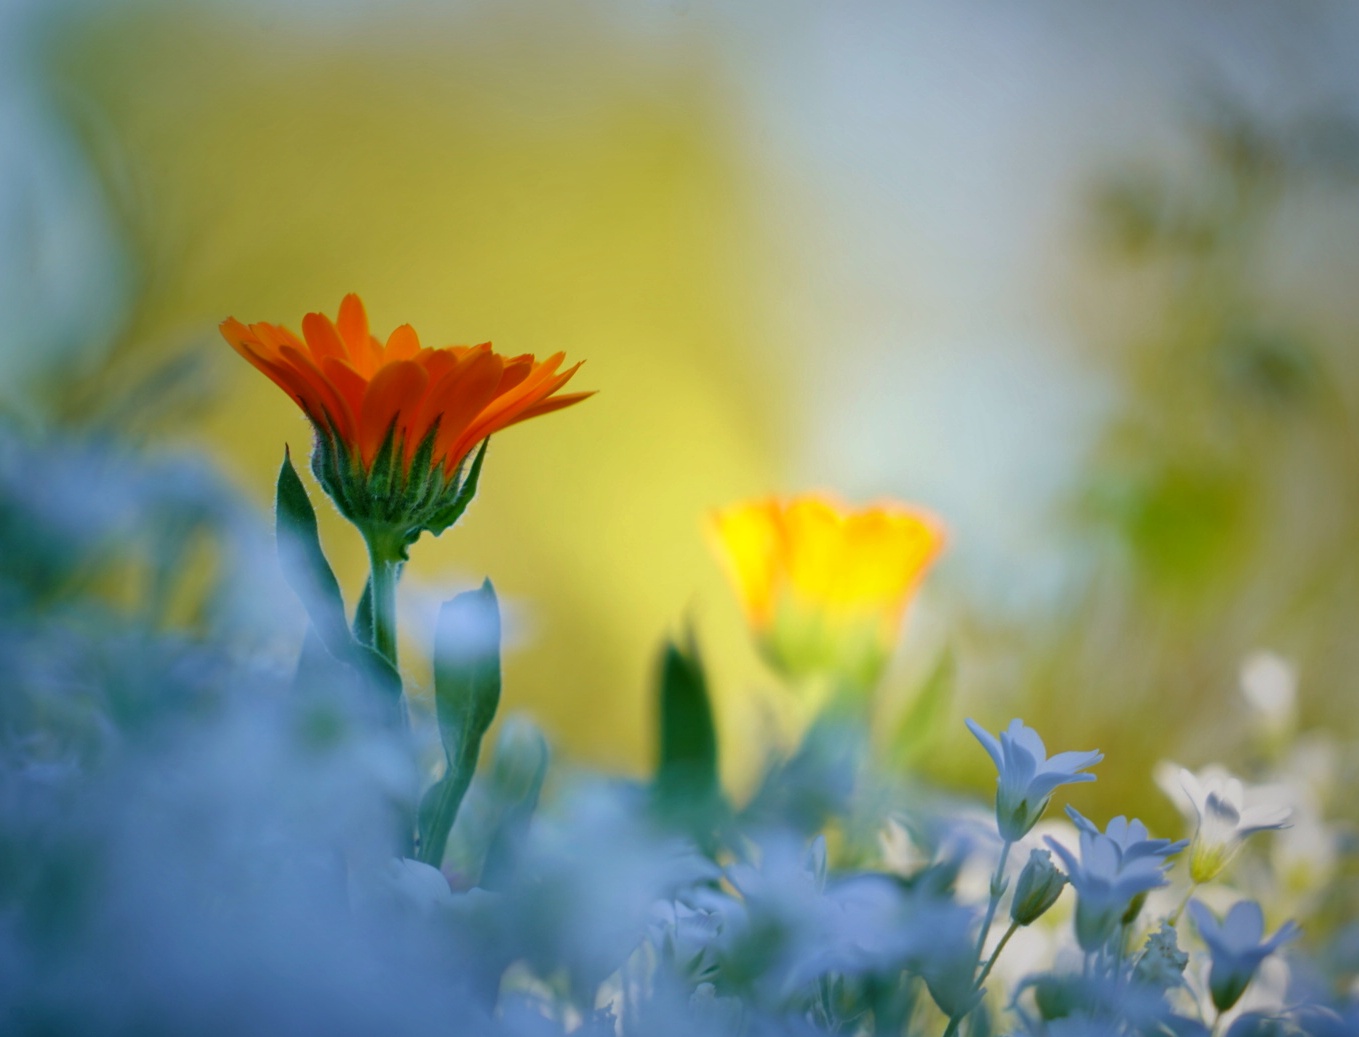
[(824, 588)]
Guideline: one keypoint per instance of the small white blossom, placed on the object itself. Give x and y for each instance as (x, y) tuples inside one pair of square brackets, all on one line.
[(1225, 810), (1269, 684)]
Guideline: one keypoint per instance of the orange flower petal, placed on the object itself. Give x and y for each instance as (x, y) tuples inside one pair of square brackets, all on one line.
[(348, 382), (516, 370), (402, 344), (437, 362), (339, 412), (549, 405), (444, 390), (340, 375), (468, 390), (353, 328), (394, 389), (304, 394), (264, 359), (322, 337), (540, 383)]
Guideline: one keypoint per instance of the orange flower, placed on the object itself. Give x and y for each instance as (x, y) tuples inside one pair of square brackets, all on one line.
[(825, 588), (396, 422)]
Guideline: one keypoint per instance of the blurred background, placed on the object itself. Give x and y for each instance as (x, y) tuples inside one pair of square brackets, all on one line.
[(1080, 280)]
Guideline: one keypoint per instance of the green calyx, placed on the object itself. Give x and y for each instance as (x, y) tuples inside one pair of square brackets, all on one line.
[(389, 500)]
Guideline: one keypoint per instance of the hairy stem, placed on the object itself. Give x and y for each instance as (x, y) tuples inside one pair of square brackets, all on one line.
[(385, 560)]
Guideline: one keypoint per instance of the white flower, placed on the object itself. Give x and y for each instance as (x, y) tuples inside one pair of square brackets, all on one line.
[(1225, 810), (1027, 776), (1269, 684)]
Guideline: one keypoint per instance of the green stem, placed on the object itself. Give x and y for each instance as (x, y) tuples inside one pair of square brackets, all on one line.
[(997, 890), (385, 559), (1174, 917), (991, 962)]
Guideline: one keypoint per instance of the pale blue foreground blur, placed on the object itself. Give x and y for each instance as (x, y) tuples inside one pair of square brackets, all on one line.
[(154, 881), (1079, 281)]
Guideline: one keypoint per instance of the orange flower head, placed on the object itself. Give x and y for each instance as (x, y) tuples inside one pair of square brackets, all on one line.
[(395, 422), (825, 588)]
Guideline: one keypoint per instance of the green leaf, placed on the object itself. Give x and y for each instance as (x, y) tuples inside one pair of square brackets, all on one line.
[(521, 758), (687, 790), (922, 721), (309, 574), (363, 615), (466, 492), (466, 695), (304, 563), (687, 765)]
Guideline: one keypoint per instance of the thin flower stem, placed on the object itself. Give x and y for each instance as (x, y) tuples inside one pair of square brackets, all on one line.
[(991, 961), (996, 892), (386, 569), (1121, 949), (1174, 917)]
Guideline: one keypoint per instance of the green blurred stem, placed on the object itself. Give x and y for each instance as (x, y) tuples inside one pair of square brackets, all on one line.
[(1174, 917), (991, 962), (384, 555), (997, 891)]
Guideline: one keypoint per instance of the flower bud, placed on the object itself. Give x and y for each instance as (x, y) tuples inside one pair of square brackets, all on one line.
[(1039, 886), (1162, 963), (521, 757)]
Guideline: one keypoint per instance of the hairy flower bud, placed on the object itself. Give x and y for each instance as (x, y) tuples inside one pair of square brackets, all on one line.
[(1039, 886)]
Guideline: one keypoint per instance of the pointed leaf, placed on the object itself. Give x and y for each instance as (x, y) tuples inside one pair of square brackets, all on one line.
[(304, 563), (309, 574), (466, 492), (466, 696), (687, 765), (687, 792), (363, 615)]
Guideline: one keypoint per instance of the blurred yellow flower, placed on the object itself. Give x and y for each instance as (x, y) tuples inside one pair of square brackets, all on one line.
[(824, 587)]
